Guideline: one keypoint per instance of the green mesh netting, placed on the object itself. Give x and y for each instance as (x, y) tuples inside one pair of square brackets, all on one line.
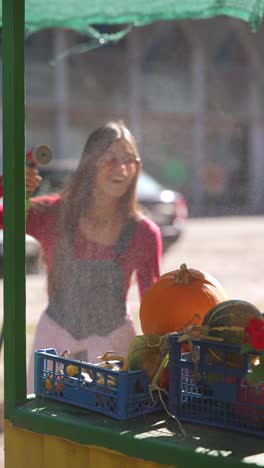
[(77, 14)]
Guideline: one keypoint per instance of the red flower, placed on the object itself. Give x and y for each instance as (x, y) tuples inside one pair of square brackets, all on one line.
[(254, 334)]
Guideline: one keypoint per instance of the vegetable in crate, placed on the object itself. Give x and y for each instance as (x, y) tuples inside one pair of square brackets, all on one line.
[(250, 404), (251, 393), (227, 321), (58, 381), (253, 340), (179, 299), (71, 370), (148, 353)]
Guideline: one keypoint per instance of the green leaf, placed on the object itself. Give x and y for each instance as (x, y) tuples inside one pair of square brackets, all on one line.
[(246, 348), (261, 358), (162, 366), (256, 377)]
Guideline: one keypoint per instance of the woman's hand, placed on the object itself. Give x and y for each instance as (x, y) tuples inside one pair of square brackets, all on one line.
[(33, 179)]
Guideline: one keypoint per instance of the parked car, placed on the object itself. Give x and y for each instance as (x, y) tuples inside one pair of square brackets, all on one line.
[(166, 207)]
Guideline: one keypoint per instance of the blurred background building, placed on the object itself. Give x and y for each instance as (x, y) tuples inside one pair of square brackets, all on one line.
[(191, 91)]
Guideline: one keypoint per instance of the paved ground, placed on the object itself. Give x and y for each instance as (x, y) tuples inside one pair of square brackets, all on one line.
[(231, 249)]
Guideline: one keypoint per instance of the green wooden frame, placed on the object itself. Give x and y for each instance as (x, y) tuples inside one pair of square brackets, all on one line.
[(35, 415), (14, 204)]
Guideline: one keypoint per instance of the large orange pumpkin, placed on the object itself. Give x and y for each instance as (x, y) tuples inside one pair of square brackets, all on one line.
[(178, 299)]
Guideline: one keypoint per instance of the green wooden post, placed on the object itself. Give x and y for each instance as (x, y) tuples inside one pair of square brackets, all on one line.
[(14, 203)]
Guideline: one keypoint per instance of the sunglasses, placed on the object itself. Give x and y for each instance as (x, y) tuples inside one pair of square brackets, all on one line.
[(109, 161)]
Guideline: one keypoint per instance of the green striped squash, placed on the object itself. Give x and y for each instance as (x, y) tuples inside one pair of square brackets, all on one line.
[(227, 321)]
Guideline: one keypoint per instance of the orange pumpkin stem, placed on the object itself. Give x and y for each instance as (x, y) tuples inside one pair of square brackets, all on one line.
[(183, 275)]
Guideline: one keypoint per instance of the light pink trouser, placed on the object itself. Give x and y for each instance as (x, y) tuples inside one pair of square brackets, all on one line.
[(50, 335)]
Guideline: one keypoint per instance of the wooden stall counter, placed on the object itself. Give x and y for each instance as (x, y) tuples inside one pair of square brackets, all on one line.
[(45, 434)]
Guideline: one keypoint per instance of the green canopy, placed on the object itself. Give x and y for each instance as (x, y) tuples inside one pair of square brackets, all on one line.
[(77, 14)]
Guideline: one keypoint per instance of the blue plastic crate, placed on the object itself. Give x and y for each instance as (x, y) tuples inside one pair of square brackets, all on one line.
[(121, 395), (215, 391)]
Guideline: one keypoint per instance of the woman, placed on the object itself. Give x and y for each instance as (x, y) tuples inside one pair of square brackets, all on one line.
[(93, 238)]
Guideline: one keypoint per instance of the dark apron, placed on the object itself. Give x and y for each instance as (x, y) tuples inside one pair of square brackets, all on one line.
[(92, 300)]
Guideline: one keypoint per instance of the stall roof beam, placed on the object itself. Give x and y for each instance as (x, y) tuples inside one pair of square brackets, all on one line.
[(78, 14)]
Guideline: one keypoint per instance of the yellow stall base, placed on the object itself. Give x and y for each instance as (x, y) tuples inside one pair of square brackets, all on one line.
[(25, 449)]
